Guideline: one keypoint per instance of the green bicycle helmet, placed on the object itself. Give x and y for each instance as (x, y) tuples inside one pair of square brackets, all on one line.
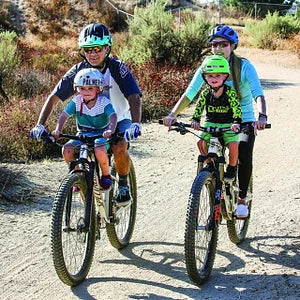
[(94, 35), (215, 64)]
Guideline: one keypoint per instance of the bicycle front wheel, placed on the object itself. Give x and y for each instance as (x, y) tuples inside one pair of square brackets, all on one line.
[(119, 233), (237, 228), (72, 248), (201, 233)]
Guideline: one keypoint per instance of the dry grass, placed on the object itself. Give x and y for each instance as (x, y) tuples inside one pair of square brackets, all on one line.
[(13, 180)]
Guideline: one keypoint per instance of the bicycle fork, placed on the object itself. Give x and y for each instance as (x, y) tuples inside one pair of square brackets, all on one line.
[(217, 201), (89, 176)]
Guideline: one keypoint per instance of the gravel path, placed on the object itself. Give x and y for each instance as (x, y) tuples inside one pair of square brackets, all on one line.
[(265, 266)]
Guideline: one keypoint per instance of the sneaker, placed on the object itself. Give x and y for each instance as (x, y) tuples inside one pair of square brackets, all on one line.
[(230, 173), (242, 211), (123, 198), (105, 182)]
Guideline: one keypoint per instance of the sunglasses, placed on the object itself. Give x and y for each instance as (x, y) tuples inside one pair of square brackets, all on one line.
[(95, 49), (221, 44)]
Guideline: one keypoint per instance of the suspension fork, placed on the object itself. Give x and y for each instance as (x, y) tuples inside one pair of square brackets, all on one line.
[(89, 176), (72, 169), (218, 192), (89, 197)]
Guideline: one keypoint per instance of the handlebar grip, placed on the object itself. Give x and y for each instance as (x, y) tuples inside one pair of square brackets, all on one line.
[(47, 138), (268, 126)]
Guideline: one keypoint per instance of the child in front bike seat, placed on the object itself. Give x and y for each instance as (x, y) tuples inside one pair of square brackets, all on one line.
[(222, 109), (95, 115)]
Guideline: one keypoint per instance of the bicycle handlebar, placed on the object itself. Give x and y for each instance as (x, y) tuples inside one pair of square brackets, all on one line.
[(47, 137), (182, 127)]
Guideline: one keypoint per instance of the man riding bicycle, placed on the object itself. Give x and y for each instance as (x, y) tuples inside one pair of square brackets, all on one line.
[(95, 43)]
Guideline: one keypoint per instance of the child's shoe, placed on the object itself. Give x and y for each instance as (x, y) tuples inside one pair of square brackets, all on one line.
[(105, 182)]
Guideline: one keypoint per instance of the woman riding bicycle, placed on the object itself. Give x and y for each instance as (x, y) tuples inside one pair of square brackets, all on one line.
[(222, 110), (244, 79)]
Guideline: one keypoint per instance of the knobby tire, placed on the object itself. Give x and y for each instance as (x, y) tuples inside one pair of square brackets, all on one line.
[(237, 228), (119, 233), (72, 251), (200, 241)]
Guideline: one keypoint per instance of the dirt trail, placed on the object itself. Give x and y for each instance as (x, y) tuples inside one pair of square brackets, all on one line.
[(265, 266)]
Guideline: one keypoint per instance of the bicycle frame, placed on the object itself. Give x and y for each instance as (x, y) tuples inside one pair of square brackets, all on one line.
[(87, 157), (216, 167), (212, 198)]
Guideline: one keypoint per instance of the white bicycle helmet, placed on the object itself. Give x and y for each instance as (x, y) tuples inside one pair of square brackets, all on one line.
[(89, 77)]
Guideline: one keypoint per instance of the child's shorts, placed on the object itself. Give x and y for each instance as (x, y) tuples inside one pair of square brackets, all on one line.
[(74, 144), (228, 136)]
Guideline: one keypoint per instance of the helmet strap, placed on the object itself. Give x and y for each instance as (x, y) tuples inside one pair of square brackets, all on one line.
[(86, 103)]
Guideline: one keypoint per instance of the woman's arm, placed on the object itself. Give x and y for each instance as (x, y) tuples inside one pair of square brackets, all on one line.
[(185, 99)]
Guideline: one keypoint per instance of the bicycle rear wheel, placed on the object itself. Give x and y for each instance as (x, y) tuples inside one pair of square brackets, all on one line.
[(119, 233), (201, 234), (237, 228), (72, 249)]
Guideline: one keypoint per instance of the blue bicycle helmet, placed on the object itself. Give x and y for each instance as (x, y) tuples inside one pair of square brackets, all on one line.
[(94, 35), (225, 32)]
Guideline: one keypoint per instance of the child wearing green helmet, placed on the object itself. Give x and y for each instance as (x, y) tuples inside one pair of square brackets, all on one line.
[(222, 109)]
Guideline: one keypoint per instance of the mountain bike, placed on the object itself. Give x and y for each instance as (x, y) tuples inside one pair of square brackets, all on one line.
[(81, 209), (211, 199)]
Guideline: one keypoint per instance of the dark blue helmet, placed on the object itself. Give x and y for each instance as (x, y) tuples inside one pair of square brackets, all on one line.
[(94, 35), (225, 32)]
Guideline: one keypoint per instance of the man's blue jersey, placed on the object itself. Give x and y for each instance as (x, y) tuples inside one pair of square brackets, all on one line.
[(117, 77)]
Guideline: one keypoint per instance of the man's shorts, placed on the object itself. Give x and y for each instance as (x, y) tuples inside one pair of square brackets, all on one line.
[(228, 136), (123, 125)]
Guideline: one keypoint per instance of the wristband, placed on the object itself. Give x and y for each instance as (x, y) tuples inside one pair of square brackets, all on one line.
[(260, 115)]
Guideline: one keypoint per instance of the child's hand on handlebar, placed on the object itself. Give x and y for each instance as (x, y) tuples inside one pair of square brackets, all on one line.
[(56, 133), (235, 127), (195, 125), (107, 133)]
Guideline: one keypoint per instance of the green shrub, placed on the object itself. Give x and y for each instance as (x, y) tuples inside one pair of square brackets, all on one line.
[(192, 40), (151, 34), (265, 33), (9, 61)]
